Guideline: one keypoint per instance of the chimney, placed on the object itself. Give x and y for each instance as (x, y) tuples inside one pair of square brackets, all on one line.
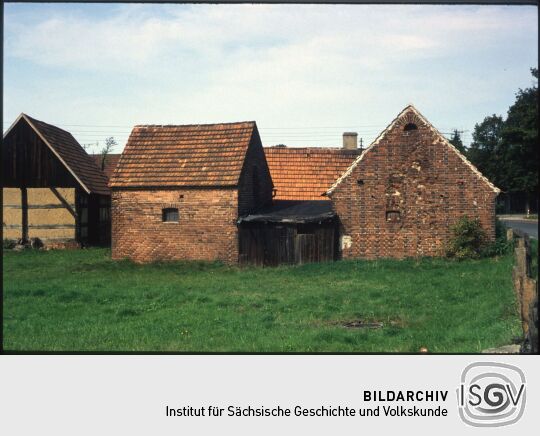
[(350, 140)]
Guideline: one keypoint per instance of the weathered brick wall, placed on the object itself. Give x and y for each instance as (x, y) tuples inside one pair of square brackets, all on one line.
[(206, 229), (405, 193), (251, 197)]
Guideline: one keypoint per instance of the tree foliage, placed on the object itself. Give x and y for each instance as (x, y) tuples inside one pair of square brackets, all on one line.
[(506, 151), (520, 135), (487, 150), (456, 141)]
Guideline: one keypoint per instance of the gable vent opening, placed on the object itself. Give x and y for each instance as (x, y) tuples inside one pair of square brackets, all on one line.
[(410, 126)]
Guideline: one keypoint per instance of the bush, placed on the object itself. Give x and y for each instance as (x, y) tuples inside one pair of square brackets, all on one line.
[(468, 239), (500, 229), (501, 245)]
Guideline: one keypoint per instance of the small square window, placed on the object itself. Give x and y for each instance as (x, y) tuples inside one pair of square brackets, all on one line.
[(170, 215), (393, 216)]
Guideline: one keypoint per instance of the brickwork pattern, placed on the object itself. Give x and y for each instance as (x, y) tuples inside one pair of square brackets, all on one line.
[(207, 226), (206, 229), (406, 192)]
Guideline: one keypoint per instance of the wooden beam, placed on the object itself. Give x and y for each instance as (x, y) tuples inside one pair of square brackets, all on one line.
[(64, 202), (24, 214)]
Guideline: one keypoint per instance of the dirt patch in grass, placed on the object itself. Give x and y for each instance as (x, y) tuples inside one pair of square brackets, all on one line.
[(359, 324)]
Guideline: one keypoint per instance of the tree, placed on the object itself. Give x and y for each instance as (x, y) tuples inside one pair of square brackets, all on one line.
[(486, 151), (110, 143), (506, 151), (520, 135), (456, 141)]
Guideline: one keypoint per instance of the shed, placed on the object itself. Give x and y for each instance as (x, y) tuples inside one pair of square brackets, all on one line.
[(289, 232), (52, 189), (178, 191)]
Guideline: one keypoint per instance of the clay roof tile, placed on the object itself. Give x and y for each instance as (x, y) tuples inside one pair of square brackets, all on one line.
[(183, 155), (306, 173)]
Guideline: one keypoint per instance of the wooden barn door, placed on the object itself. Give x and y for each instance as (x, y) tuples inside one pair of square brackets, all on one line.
[(305, 248), (271, 244), (315, 243), (266, 244)]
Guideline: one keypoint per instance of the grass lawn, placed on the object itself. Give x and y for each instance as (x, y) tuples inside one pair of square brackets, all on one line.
[(80, 300)]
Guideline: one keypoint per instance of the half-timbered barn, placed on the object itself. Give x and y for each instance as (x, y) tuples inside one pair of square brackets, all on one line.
[(52, 189)]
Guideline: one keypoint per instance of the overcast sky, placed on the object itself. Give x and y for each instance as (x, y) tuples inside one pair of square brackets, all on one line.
[(305, 73)]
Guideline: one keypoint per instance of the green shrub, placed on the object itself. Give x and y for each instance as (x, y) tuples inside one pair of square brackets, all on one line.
[(501, 245), (468, 239)]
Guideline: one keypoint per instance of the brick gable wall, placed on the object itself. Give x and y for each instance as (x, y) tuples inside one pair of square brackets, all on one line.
[(405, 193), (251, 197), (206, 229), (207, 226)]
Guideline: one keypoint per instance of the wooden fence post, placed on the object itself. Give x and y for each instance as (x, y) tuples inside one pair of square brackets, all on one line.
[(526, 289), (509, 234)]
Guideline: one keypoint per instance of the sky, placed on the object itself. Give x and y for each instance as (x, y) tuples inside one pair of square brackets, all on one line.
[(304, 73)]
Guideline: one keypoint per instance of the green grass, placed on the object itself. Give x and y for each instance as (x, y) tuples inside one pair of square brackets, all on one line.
[(80, 300)]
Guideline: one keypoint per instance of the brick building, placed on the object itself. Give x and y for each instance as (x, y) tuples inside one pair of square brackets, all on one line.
[(402, 194), (205, 192), (178, 191)]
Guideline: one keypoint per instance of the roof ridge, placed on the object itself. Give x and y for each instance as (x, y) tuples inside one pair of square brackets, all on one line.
[(337, 148), (69, 152), (47, 124), (409, 107), (184, 155), (196, 125)]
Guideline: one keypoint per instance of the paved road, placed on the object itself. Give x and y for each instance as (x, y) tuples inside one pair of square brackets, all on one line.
[(527, 226)]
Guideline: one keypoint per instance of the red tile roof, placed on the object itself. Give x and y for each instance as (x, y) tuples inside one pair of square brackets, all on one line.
[(306, 173), (190, 155), (111, 160), (70, 152)]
